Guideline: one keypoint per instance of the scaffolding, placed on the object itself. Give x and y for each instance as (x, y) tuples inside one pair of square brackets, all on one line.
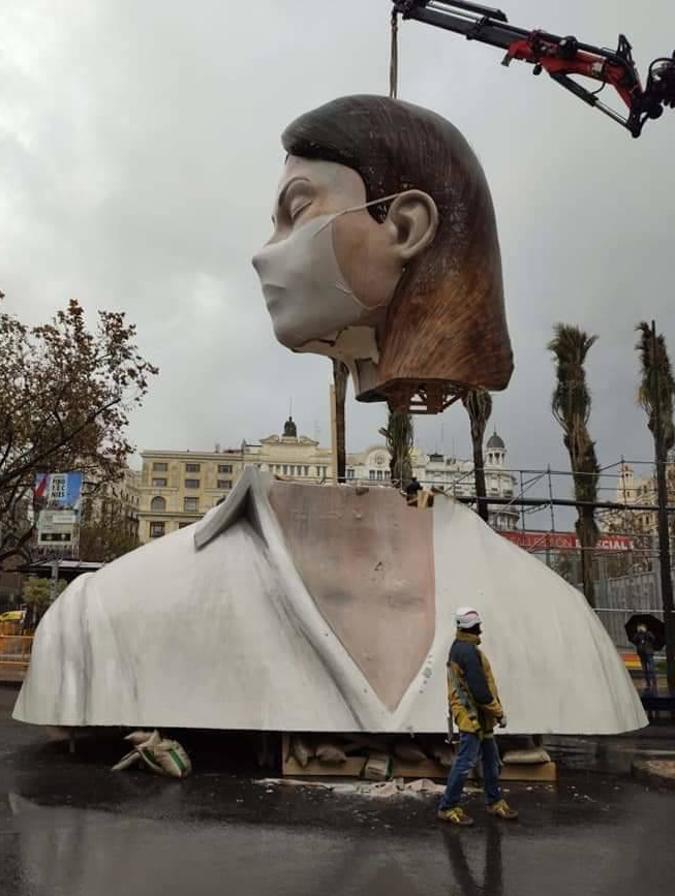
[(626, 557)]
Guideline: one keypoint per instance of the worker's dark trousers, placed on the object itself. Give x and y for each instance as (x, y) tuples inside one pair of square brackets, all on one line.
[(471, 748), (649, 669)]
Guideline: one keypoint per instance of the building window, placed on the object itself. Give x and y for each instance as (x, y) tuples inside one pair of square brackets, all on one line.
[(371, 474), (224, 468), (159, 483), (225, 484), (351, 473), (306, 469), (157, 529), (191, 505), (285, 469), (379, 474), (183, 525), (158, 504), (160, 467), (192, 468), (192, 483)]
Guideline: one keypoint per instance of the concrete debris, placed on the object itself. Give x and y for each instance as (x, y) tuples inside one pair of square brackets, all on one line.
[(383, 790), (424, 785), (374, 789), (659, 772)]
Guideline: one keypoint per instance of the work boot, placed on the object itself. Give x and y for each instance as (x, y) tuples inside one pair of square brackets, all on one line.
[(456, 815), (501, 809)]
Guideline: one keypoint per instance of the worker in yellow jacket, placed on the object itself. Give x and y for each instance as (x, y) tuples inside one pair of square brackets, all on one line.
[(475, 708)]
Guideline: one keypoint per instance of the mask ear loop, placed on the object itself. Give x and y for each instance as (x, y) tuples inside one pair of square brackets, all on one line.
[(359, 208), (346, 211)]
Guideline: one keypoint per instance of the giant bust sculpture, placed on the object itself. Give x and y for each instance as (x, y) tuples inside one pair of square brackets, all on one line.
[(385, 254), (321, 608)]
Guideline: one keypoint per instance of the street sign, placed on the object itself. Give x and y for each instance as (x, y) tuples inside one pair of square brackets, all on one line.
[(56, 528)]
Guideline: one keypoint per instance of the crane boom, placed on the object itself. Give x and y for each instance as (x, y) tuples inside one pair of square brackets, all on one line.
[(561, 57)]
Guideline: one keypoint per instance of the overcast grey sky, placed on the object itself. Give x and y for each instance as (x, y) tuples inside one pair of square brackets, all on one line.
[(139, 151)]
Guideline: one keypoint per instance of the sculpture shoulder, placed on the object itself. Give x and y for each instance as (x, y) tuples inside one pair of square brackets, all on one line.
[(174, 558)]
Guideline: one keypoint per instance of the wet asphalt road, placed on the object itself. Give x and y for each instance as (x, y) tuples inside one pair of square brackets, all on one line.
[(69, 827)]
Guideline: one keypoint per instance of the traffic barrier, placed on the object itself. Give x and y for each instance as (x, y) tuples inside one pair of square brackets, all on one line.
[(15, 653)]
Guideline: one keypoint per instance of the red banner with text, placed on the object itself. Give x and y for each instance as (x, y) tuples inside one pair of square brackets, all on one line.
[(565, 541)]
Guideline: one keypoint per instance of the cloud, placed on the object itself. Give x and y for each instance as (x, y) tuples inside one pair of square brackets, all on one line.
[(139, 150)]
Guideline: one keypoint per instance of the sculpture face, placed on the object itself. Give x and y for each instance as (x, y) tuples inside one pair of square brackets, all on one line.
[(385, 256), (329, 264)]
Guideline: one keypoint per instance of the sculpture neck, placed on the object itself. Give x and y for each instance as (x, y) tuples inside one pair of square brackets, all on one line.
[(358, 348)]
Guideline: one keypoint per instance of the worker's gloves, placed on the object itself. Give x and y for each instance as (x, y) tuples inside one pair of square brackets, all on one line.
[(502, 722)]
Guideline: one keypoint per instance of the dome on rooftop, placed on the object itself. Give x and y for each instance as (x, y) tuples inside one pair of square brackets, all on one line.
[(496, 443)]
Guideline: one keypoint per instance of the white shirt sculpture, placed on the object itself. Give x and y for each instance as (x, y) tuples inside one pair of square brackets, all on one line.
[(213, 626)]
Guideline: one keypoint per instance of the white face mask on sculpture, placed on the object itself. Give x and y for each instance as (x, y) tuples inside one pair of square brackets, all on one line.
[(306, 293)]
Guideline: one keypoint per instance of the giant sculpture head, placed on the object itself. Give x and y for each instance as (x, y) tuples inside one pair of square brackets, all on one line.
[(385, 254)]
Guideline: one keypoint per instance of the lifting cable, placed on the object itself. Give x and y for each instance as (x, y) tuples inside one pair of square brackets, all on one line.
[(393, 56)]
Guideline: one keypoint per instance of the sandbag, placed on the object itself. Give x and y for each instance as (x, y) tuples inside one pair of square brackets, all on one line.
[(526, 757), (444, 755), (140, 737), (408, 751), (172, 759), (127, 761), (161, 755), (330, 753), (358, 743), (378, 767), (301, 750)]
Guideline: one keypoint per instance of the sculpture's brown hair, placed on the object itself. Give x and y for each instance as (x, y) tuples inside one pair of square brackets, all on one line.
[(446, 325)]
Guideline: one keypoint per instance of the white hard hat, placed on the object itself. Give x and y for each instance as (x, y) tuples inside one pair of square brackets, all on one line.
[(467, 617)]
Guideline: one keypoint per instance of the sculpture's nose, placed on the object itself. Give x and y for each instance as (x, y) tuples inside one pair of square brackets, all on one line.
[(262, 260)]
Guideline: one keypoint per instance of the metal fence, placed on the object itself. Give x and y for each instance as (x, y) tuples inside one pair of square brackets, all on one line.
[(618, 599)]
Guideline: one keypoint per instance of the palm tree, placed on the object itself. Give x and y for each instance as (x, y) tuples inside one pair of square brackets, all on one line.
[(656, 395), (399, 435), (571, 406), (478, 404), (340, 376)]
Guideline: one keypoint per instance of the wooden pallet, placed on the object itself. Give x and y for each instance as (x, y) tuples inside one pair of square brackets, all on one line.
[(543, 773), (546, 773)]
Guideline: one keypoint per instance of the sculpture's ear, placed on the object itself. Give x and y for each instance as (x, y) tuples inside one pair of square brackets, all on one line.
[(413, 219)]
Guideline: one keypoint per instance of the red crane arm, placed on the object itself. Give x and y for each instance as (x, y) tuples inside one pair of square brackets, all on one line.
[(561, 57)]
